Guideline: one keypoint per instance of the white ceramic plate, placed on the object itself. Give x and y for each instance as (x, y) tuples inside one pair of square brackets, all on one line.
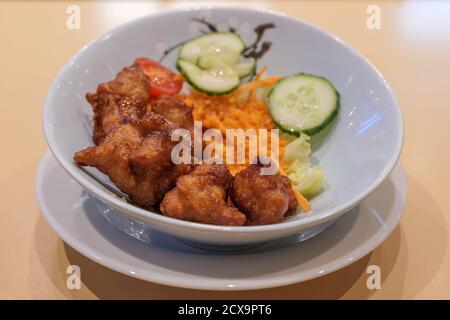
[(357, 154), (75, 218)]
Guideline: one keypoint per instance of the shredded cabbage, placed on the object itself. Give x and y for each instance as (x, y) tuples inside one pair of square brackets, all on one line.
[(307, 178), (298, 149)]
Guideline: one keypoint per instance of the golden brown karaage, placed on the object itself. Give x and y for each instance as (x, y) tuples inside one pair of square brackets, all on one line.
[(136, 156), (201, 196), (174, 110), (124, 97), (264, 199)]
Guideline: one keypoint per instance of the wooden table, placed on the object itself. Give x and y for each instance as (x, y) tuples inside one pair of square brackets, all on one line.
[(411, 49)]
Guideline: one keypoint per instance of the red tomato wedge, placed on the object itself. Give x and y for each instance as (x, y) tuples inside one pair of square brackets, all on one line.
[(162, 79)]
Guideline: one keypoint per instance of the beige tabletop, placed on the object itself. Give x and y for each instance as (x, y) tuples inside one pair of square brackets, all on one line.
[(411, 49)]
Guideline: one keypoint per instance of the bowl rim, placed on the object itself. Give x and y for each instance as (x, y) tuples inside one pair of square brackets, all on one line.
[(152, 217)]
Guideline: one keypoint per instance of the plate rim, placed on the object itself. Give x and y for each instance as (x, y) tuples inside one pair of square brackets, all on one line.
[(180, 282)]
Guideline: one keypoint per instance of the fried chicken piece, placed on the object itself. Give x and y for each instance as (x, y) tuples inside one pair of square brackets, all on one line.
[(151, 163), (201, 196), (136, 156), (124, 97), (175, 110), (264, 199)]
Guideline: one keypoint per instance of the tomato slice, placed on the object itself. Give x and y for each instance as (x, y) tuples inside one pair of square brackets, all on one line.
[(162, 79)]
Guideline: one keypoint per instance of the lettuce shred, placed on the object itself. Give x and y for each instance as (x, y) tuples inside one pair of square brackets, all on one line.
[(307, 178)]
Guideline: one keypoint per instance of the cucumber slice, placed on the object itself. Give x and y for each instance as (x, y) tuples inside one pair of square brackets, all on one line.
[(215, 81), (303, 103), (245, 67), (211, 43), (227, 57)]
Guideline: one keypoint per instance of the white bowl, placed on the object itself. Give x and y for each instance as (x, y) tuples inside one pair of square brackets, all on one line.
[(357, 154)]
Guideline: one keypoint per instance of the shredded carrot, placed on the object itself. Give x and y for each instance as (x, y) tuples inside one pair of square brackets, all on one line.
[(252, 94), (260, 73), (257, 84), (304, 203), (226, 112)]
